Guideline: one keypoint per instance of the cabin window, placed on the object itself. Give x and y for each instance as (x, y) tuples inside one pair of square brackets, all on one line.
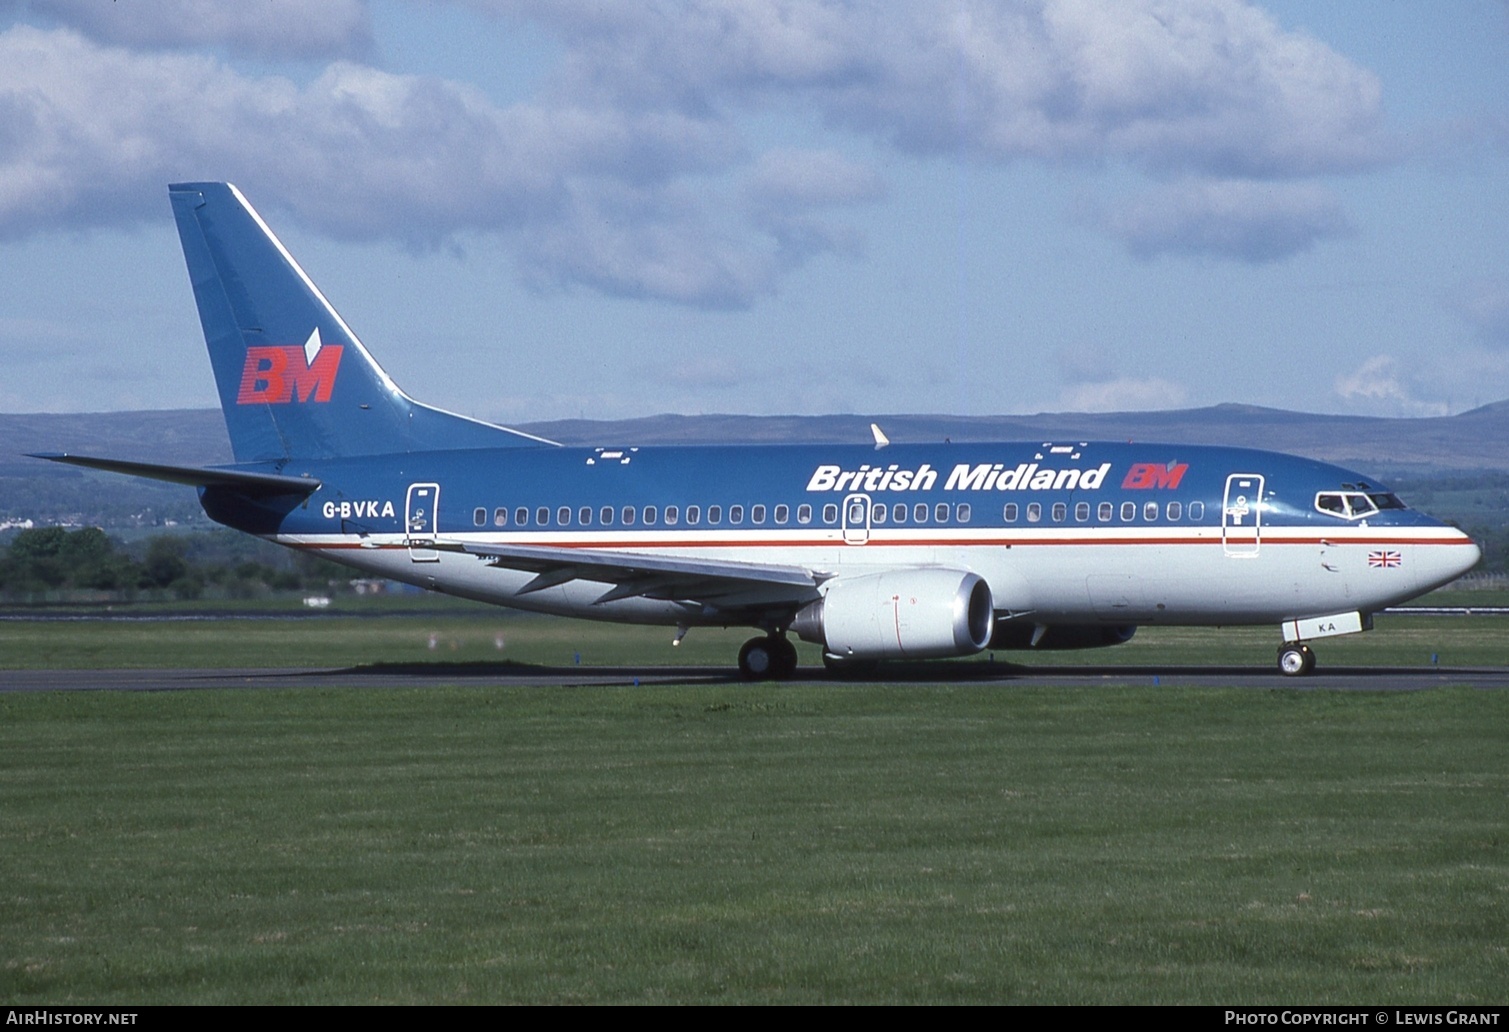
[(1081, 512), (898, 512), (963, 512), (940, 512), (521, 516), (782, 514), (1175, 510), (563, 516), (736, 514), (584, 515), (830, 513), (757, 514), (627, 512), (500, 517), (1150, 511), (1009, 513), (804, 514), (877, 514), (693, 515), (651, 514), (672, 514), (1197, 511), (605, 515), (542, 516), (919, 512), (479, 517), (1104, 511), (1034, 512), (1060, 512), (1128, 512), (715, 514)]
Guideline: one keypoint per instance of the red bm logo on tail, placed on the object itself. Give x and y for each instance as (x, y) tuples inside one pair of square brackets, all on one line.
[(277, 375), (1154, 474)]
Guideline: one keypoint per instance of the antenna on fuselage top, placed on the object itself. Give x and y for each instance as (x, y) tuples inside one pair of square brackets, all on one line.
[(881, 440)]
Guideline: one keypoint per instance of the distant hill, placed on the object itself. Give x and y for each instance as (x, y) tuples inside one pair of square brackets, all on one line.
[(1475, 440)]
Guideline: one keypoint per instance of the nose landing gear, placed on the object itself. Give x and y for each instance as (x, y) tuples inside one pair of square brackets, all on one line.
[(1295, 659)]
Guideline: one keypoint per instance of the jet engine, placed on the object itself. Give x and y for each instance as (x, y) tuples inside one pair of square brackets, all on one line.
[(900, 614), (1024, 634)]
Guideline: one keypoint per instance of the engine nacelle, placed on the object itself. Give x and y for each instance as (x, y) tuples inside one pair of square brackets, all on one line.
[(1019, 634), (901, 614)]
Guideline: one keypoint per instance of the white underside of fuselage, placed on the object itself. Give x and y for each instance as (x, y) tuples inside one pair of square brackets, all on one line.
[(1114, 575)]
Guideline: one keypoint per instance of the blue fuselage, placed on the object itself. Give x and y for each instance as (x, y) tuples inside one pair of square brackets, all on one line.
[(1068, 532)]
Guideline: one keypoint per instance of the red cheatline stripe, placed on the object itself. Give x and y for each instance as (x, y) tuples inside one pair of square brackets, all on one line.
[(924, 542)]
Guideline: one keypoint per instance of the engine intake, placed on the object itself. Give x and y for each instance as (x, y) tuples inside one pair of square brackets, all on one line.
[(901, 614)]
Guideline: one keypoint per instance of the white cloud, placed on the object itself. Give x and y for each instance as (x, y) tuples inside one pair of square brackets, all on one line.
[(1211, 86), (92, 134), (266, 28), (1250, 221), (630, 172), (787, 189), (1380, 385), (811, 178), (1123, 394)]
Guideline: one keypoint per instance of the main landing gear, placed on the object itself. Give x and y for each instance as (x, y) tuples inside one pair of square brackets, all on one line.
[(771, 658), (1295, 659)]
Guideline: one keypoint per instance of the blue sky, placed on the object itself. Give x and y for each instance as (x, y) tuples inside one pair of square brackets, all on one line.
[(532, 209)]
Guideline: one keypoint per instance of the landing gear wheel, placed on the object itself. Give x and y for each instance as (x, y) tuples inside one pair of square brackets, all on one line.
[(1295, 660), (756, 659), (785, 654), (767, 659)]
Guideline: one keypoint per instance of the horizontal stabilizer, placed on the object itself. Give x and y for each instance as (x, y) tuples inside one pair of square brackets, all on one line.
[(195, 476)]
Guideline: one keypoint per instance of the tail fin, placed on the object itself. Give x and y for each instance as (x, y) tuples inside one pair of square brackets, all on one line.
[(294, 380)]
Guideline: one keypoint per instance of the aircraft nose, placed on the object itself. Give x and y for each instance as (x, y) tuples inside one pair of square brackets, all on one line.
[(1471, 553), (1458, 554)]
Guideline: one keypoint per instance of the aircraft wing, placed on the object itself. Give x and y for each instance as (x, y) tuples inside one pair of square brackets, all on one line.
[(194, 476), (718, 583)]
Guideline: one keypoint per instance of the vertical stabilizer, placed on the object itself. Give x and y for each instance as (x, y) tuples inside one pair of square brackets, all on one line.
[(294, 380)]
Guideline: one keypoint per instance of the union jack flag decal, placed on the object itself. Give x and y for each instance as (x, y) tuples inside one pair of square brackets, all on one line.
[(1385, 560)]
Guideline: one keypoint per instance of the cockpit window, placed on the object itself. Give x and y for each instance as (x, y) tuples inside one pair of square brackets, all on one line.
[(1354, 505)]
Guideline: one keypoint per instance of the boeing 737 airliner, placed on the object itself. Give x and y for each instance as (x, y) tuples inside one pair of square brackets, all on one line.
[(873, 552)]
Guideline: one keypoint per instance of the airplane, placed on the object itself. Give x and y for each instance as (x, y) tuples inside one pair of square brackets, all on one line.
[(874, 551)]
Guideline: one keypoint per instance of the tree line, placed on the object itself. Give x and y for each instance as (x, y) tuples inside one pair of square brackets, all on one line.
[(51, 561)]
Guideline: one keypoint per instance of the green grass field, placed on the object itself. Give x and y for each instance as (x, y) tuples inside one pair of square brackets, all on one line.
[(466, 633), (809, 842)]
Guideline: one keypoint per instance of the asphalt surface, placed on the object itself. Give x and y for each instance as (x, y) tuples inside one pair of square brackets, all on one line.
[(519, 675)]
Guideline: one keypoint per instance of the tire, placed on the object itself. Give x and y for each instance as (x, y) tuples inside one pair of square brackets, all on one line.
[(1295, 660), (757, 660), (771, 658), (786, 658)]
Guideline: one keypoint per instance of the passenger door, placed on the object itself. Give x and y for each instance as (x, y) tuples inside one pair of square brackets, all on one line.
[(420, 511), (1242, 515)]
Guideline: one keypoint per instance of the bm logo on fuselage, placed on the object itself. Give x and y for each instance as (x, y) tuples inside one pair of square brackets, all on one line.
[(281, 374), (1145, 475)]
